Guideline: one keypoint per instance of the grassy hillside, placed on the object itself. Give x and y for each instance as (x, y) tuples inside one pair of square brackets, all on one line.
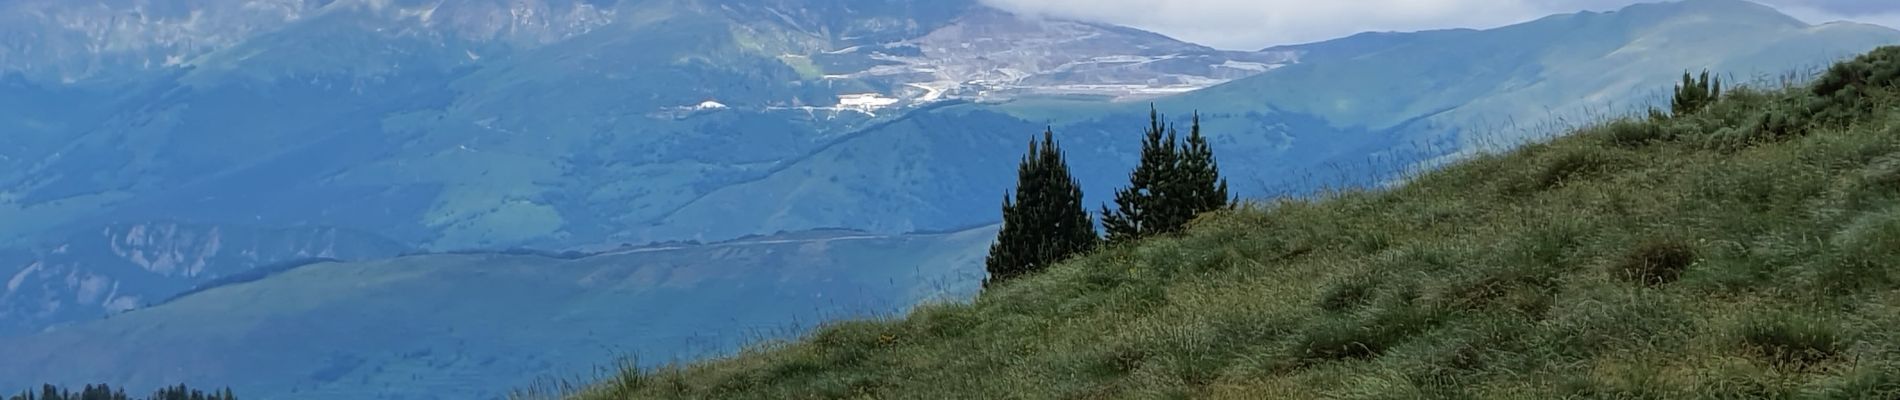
[(1745, 251), (474, 326)]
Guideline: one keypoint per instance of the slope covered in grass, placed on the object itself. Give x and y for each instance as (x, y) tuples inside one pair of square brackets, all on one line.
[(1742, 252)]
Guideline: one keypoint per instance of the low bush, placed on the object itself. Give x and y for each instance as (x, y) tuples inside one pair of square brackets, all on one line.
[(1657, 261)]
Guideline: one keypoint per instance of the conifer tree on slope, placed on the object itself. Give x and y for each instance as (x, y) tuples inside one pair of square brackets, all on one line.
[(1045, 222), (1174, 183), (1140, 211), (1203, 189), (1695, 93)]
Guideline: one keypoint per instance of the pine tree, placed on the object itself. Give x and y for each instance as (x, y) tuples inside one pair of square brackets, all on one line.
[(1045, 222), (1684, 100), (1711, 89), (1715, 89), (1203, 189), (1140, 210), (1695, 93), (1174, 183)]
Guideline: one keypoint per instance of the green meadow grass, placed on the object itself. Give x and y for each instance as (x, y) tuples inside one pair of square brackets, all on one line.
[(1727, 254)]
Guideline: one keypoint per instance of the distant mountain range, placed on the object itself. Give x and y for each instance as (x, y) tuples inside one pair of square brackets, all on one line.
[(492, 123), (360, 129), (450, 125)]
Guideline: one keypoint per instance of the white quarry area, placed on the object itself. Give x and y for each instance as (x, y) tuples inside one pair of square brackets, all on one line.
[(996, 56), (685, 111), (865, 102), (1250, 66)]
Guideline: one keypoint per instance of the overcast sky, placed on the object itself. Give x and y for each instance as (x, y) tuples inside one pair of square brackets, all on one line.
[(1255, 24)]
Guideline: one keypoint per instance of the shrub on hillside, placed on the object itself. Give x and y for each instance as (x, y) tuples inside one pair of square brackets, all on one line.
[(1845, 90), (1657, 262), (1596, 320), (1391, 319), (947, 320), (1790, 340), (1570, 164), (1522, 291), (1635, 133), (1868, 381), (1876, 185), (1745, 118), (1877, 69), (1344, 339), (1868, 249), (1779, 122), (1348, 293)]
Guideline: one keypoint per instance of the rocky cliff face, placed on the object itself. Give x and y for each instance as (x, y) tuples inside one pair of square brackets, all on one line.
[(127, 266)]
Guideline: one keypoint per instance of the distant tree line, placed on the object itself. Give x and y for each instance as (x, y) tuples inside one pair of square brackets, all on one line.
[(105, 392), (1046, 222)]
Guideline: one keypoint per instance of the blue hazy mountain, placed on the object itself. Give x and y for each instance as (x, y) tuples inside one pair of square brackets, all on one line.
[(451, 125), (499, 123)]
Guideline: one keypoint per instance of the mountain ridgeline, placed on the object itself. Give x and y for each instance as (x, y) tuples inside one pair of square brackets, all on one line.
[(1745, 248), (303, 198)]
